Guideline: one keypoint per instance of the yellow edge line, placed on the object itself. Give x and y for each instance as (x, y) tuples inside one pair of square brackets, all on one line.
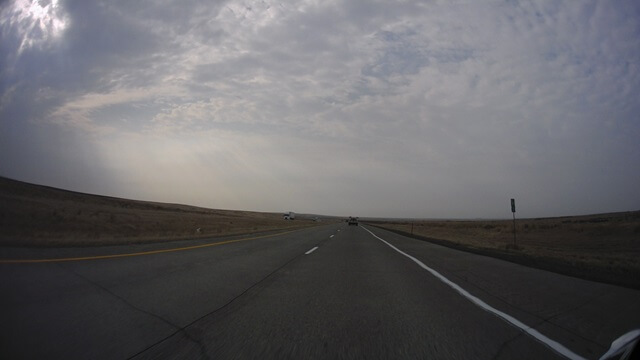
[(31, 261)]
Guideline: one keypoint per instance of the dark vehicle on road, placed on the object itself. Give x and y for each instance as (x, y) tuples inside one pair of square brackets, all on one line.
[(353, 221)]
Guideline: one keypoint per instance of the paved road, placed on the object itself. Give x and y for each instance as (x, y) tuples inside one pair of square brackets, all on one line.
[(354, 296)]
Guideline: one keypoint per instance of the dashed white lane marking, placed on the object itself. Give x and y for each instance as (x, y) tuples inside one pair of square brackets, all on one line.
[(554, 345), (310, 251), (331, 236)]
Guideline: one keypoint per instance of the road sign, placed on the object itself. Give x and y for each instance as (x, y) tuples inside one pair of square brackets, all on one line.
[(513, 210)]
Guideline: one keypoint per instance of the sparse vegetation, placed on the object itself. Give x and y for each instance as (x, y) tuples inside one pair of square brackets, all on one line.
[(32, 215), (603, 247)]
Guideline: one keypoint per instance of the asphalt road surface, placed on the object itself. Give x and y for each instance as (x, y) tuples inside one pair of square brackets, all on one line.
[(332, 291)]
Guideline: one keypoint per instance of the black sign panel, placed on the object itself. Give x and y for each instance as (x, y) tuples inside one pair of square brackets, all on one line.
[(513, 205)]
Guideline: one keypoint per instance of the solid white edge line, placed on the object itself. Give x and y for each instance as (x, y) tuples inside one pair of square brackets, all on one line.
[(554, 345), (310, 251)]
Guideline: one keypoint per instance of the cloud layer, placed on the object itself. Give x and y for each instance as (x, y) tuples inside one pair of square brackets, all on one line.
[(407, 109)]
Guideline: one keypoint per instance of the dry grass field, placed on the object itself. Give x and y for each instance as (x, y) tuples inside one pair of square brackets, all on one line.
[(32, 215), (604, 247)]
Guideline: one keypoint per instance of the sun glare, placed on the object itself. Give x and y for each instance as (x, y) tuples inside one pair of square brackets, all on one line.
[(38, 22)]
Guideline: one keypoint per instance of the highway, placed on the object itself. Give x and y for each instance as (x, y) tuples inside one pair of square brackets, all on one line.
[(332, 291)]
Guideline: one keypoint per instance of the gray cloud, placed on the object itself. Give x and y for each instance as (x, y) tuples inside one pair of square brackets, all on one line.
[(370, 108)]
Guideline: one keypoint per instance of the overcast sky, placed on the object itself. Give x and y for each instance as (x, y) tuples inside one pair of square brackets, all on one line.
[(439, 109)]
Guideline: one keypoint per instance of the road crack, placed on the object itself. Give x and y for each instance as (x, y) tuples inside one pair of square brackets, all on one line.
[(177, 328), (185, 328), (505, 344), (541, 320)]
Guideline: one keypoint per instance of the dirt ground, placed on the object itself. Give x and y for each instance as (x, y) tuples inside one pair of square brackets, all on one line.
[(33, 215), (604, 247)]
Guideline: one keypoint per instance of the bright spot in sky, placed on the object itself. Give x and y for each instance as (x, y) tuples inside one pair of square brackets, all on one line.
[(38, 21), (434, 109)]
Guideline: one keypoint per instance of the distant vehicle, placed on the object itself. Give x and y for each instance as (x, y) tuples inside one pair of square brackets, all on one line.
[(289, 216), (353, 221)]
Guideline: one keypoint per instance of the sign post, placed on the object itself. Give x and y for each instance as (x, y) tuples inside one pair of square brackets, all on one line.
[(513, 210)]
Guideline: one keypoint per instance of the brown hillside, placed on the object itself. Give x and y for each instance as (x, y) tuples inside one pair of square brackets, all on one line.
[(34, 215)]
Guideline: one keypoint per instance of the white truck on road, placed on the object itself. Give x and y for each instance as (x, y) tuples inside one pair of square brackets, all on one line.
[(289, 216)]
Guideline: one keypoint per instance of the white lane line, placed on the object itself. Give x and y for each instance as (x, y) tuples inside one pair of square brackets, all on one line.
[(554, 345), (331, 236), (310, 251)]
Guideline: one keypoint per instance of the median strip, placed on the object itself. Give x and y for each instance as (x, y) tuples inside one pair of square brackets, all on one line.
[(113, 256), (554, 345)]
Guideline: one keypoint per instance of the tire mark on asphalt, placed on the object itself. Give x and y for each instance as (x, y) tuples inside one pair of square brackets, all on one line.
[(137, 308), (460, 275), (550, 343), (541, 320), (228, 303)]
